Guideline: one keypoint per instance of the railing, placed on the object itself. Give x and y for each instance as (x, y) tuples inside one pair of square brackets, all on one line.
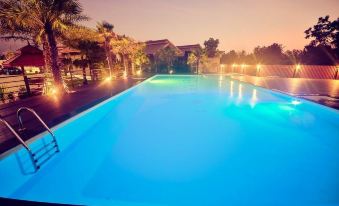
[(38, 156), (17, 136), (14, 87), (285, 71), (20, 110)]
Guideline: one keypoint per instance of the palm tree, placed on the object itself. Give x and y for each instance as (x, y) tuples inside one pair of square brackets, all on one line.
[(105, 31), (68, 67), (42, 21), (82, 63), (196, 58), (139, 57), (123, 47), (167, 56), (89, 55)]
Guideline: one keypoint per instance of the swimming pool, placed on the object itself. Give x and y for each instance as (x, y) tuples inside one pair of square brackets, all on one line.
[(187, 140)]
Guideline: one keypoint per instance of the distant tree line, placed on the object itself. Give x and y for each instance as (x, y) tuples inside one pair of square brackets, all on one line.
[(322, 50)]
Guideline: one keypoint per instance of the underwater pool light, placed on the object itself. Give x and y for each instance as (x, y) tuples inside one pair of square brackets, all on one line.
[(296, 102)]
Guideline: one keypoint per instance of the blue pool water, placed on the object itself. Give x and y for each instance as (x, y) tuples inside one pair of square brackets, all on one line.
[(187, 140)]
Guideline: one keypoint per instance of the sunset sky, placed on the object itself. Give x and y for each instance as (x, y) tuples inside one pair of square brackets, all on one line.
[(238, 24)]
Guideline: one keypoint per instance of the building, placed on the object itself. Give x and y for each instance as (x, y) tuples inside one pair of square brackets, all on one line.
[(188, 49), (31, 60), (153, 47), (67, 52)]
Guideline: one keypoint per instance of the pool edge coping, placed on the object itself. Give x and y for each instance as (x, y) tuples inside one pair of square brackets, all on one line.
[(80, 114)]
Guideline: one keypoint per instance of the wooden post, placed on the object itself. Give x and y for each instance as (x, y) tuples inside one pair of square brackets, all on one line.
[(28, 89)]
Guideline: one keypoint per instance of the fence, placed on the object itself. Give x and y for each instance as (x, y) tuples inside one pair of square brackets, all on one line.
[(286, 71), (14, 87)]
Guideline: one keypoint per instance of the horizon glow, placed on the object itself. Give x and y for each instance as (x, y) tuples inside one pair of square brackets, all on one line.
[(239, 25)]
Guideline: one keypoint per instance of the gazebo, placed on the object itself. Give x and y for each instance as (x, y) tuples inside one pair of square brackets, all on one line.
[(26, 56)]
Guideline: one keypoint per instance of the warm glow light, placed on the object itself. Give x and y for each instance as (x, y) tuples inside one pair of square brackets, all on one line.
[(222, 67), (240, 91), (254, 98), (221, 78), (296, 102), (258, 66), (124, 75), (231, 89), (298, 66), (234, 65), (54, 91), (243, 65), (108, 79), (254, 95), (139, 72)]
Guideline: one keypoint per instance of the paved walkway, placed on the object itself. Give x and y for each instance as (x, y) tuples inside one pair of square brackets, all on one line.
[(55, 110), (323, 91)]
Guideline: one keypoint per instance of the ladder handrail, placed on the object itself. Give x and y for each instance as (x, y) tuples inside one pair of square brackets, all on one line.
[(16, 134), (37, 116), (33, 156)]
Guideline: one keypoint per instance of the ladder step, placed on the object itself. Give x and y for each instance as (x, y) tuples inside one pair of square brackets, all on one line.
[(44, 147), (38, 157)]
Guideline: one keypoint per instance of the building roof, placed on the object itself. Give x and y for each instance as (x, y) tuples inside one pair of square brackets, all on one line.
[(62, 49), (189, 48), (154, 46), (26, 56)]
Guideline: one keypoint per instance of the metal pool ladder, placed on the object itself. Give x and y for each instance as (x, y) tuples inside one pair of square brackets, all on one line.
[(43, 151), (40, 153)]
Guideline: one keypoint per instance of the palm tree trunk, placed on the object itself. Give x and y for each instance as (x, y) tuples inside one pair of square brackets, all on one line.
[(108, 56), (85, 82), (125, 66), (53, 56)]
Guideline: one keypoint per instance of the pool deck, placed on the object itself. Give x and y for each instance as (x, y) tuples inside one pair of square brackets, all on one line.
[(54, 110), (322, 91)]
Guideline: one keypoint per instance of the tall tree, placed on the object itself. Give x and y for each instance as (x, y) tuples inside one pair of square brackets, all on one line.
[(230, 58), (294, 56), (324, 46), (319, 55), (43, 21), (82, 63), (211, 46), (86, 40), (123, 47), (272, 54), (138, 56), (196, 58), (324, 33), (166, 57), (105, 31)]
